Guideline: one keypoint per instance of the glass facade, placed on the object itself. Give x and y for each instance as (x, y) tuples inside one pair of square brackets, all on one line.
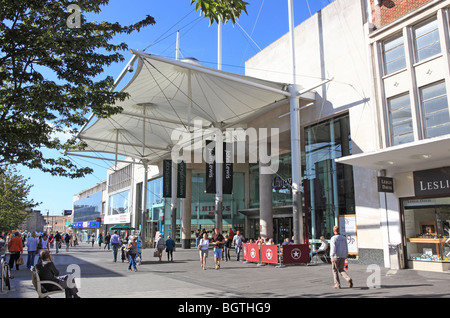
[(202, 205), (120, 203), (88, 208), (328, 185), (281, 183)]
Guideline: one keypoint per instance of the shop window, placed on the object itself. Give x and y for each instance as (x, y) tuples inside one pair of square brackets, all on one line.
[(434, 107), (400, 117), (426, 40), (119, 203), (394, 54), (427, 226)]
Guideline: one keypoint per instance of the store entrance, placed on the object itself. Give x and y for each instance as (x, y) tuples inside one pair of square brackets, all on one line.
[(282, 229)]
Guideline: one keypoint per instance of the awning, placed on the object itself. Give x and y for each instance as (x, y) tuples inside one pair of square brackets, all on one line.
[(167, 94), (421, 155)]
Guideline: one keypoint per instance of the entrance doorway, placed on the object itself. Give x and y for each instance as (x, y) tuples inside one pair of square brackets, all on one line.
[(282, 229)]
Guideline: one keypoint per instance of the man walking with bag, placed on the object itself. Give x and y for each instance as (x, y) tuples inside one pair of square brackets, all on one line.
[(338, 255)]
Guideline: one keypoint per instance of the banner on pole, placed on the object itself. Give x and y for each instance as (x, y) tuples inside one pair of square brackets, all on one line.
[(167, 179)]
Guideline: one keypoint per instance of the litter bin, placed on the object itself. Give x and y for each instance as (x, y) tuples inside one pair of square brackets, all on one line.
[(396, 256)]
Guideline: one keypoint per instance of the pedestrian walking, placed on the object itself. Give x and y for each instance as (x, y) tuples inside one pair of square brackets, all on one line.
[(100, 240), (57, 239), (107, 241), (132, 252), (170, 246), (92, 239), (217, 240), (198, 237), (226, 248), (15, 248), (43, 243), (67, 241), (160, 245), (32, 243), (338, 255), (203, 246), (115, 243), (237, 243)]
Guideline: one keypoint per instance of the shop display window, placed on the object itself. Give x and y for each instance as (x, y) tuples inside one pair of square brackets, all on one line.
[(427, 226)]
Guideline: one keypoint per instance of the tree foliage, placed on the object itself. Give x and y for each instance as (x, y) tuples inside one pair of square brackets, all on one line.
[(49, 73), (221, 10), (48, 82), (14, 191)]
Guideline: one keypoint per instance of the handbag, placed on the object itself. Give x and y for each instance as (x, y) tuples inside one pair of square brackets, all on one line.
[(19, 261), (156, 253)]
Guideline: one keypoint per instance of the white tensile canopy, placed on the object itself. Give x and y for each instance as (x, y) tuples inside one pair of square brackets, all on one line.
[(167, 94)]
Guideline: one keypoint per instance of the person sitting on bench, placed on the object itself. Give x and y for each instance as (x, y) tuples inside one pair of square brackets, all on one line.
[(47, 271), (323, 247)]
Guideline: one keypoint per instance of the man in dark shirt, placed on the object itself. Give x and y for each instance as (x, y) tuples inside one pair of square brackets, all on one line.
[(58, 241), (217, 241), (47, 271)]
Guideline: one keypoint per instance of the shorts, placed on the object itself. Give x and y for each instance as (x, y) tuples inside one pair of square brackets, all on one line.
[(203, 253), (217, 252)]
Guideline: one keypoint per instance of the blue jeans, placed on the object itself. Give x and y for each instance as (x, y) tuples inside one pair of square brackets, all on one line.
[(238, 251), (115, 248), (226, 252), (30, 258), (132, 261)]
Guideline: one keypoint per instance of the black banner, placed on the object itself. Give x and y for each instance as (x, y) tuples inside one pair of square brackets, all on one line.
[(210, 172), (227, 179), (181, 180), (167, 179)]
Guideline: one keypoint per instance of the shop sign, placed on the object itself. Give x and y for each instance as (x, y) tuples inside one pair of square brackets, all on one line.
[(385, 184), (432, 182), (86, 225)]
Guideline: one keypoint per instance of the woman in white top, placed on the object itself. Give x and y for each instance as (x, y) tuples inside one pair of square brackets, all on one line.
[(43, 244), (203, 246)]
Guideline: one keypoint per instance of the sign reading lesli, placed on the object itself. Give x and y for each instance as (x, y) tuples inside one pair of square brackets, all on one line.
[(433, 181)]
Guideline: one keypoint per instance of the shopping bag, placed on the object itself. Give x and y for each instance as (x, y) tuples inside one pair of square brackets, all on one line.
[(19, 261), (156, 253)]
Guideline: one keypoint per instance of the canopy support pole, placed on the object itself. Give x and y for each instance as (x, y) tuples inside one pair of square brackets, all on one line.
[(144, 205), (295, 140), (173, 206)]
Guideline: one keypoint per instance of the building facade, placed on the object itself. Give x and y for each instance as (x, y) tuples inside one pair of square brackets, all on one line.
[(374, 142)]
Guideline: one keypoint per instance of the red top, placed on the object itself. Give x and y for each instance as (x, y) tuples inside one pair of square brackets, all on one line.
[(15, 245)]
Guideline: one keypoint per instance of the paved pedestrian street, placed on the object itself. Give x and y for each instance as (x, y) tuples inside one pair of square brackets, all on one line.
[(184, 281)]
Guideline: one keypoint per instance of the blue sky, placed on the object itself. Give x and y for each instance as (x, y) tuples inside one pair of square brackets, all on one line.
[(267, 20)]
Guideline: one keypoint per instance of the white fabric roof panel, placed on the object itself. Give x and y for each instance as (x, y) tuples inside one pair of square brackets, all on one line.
[(166, 94)]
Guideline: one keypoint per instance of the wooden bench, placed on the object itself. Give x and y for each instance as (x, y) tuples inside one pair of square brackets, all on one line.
[(37, 283)]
